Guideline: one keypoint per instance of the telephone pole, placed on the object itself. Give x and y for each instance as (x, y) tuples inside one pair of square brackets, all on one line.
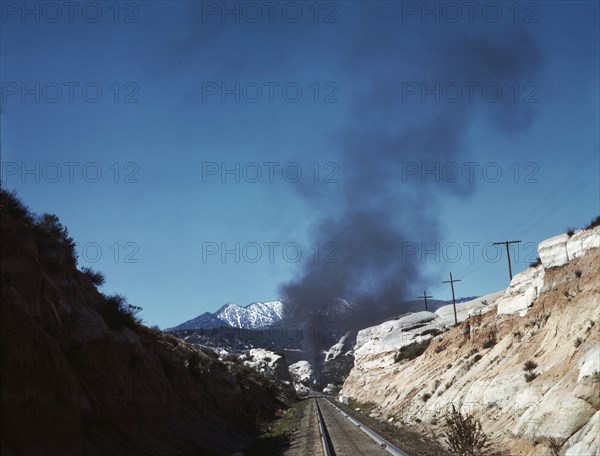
[(507, 254), (451, 282), (425, 298)]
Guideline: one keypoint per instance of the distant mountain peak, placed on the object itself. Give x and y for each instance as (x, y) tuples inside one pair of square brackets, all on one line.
[(251, 316)]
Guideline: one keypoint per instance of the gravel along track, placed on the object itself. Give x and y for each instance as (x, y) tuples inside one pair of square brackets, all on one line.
[(307, 439), (346, 438)]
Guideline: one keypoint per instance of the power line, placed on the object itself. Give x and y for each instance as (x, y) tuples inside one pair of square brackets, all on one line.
[(506, 243), (451, 282), (425, 298)]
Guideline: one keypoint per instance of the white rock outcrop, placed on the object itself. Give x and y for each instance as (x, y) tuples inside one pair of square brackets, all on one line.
[(559, 250), (376, 345), (587, 440), (338, 348), (464, 310), (524, 289), (527, 379)]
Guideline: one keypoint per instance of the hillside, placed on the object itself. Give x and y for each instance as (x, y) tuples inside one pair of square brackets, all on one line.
[(526, 363), (82, 376)]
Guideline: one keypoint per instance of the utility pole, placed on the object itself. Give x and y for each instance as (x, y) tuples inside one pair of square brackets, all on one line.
[(451, 282), (507, 254), (425, 298)]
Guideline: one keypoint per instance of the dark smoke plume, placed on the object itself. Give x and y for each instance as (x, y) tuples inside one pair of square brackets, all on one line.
[(375, 212)]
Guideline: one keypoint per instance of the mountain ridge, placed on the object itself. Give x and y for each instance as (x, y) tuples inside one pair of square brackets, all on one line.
[(230, 315)]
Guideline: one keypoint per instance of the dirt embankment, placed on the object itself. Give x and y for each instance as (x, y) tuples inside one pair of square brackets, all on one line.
[(73, 385)]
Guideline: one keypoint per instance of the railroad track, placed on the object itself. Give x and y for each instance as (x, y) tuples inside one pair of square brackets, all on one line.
[(342, 435)]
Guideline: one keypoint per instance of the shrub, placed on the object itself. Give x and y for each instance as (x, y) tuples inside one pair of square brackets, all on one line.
[(11, 203), (555, 445), (538, 320), (577, 342), (529, 365), (96, 277), (578, 273), (464, 435), (594, 223), (210, 353), (491, 337), (433, 331), (52, 234), (476, 358), (536, 263), (589, 328), (117, 313), (425, 397), (231, 358), (471, 353), (411, 351), (570, 231), (155, 330), (529, 376), (489, 343)]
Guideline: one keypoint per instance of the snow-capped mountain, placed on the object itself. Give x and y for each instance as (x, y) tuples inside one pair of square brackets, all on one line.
[(254, 315)]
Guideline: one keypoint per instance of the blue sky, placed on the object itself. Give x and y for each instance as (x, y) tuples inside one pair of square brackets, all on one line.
[(162, 124)]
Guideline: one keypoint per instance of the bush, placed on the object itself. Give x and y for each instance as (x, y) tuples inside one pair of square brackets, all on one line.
[(117, 313), (594, 223), (555, 445), (411, 351), (425, 397), (570, 231), (489, 343), (578, 273), (13, 205), (473, 351), (210, 353), (476, 358), (464, 435), (529, 365), (230, 358), (52, 234), (529, 376), (577, 342), (96, 277), (491, 337), (536, 263)]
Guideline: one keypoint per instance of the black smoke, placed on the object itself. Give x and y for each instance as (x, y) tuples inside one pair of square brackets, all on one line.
[(375, 213)]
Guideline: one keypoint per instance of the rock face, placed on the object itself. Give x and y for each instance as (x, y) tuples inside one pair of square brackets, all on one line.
[(273, 365), (524, 289), (549, 315), (559, 250), (71, 385), (302, 376)]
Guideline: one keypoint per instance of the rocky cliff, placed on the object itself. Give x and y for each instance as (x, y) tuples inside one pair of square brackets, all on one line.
[(526, 362), (76, 380)]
